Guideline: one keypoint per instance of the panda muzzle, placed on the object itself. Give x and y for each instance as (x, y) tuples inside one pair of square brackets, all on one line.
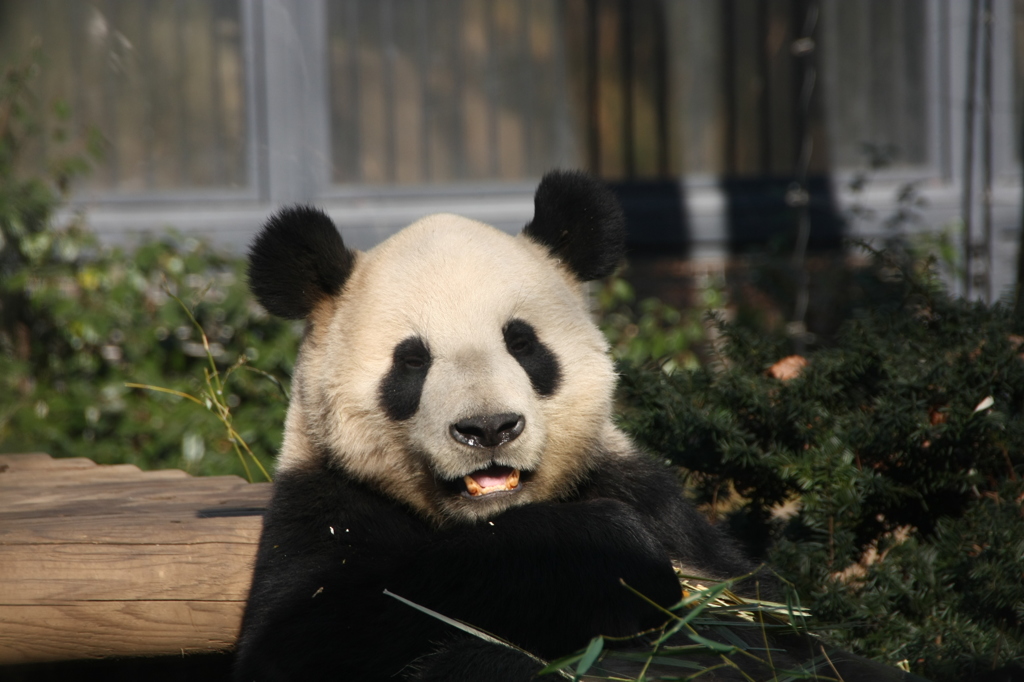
[(488, 430), (493, 479)]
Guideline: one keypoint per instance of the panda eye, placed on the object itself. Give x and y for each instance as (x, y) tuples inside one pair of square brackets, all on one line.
[(414, 362), (536, 359), (412, 354), (400, 389), (519, 346), (520, 339)]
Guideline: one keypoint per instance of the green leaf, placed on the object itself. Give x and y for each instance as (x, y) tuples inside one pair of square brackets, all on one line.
[(560, 664), (590, 655), (712, 644)]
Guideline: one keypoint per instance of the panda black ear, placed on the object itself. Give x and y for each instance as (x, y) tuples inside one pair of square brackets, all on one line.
[(581, 223), (296, 261)]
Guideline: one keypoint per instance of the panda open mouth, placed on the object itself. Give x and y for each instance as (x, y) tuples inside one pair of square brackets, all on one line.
[(493, 479)]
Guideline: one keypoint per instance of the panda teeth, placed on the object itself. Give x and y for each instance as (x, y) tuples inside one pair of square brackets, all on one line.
[(511, 482), (473, 487)]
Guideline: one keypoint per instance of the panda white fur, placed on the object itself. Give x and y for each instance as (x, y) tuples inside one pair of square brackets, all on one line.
[(450, 439)]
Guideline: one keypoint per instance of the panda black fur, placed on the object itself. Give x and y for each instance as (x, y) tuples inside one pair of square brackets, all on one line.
[(453, 356)]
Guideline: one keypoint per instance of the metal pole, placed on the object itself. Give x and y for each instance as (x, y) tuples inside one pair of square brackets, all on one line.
[(967, 200), (593, 85), (799, 196), (986, 148), (626, 47)]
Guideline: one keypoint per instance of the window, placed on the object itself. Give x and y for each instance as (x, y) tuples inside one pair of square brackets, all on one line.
[(161, 83), (447, 90)]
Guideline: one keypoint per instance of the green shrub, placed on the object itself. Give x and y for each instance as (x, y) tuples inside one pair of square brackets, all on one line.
[(650, 330), (888, 473), (105, 319)]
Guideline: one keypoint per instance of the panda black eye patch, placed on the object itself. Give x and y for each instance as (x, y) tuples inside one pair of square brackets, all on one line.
[(536, 359), (402, 386)]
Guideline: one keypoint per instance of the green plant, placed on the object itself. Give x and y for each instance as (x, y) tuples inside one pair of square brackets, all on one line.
[(107, 319), (711, 628), (213, 395), (651, 330), (710, 634), (887, 472)]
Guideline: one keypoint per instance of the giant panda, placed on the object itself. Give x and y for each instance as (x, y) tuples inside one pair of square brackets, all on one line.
[(450, 440)]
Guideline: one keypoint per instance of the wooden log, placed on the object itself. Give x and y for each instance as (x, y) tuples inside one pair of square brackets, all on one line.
[(78, 476), (54, 632), (139, 496), (108, 560), (39, 460)]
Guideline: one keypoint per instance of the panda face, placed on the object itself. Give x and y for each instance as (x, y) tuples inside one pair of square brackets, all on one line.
[(454, 368), (458, 371)]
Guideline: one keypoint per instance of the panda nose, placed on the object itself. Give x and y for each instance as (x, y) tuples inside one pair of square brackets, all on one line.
[(488, 431)]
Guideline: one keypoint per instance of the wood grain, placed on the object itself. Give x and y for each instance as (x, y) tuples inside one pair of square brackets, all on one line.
[(108, 560), (62, 631)]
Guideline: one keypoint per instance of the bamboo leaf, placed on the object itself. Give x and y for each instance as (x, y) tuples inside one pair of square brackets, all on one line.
[(712, 644), (470, 629), (590, 655)]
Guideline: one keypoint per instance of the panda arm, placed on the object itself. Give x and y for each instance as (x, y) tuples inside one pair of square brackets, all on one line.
[(653, 490), (546, 576), (316, 609)]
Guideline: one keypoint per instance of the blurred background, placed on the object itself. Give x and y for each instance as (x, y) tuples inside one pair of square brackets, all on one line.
[(717, 120)]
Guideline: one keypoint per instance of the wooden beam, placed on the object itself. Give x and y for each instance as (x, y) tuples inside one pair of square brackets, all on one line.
[(108, 560), (76, 630)]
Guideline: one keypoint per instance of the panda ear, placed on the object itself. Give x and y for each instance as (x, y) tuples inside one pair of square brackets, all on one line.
[(297, 260), (581, 223)]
